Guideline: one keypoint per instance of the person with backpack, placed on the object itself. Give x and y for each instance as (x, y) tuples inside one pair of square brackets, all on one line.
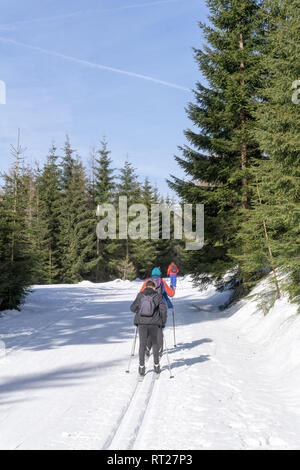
[(172, 272), (160, 284), (162, 287), (150, 314)]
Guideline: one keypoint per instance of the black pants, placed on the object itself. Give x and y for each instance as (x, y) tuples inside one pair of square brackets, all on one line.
[(145, 332), (160, 340)]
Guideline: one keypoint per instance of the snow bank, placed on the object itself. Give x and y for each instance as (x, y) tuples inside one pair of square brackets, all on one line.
[(275, 334)]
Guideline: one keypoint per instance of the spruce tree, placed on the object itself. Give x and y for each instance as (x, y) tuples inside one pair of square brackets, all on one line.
[(144, 252), (104, 175), (128, 186), (278, 113), (278, 129), (77, 228), (66, 218), (222, 145), (47, 228), (104, 193), (16, 256), (67, 164), (263, 226), (168, 249)]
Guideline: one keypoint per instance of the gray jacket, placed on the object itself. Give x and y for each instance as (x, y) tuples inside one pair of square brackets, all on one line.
[(160, 313)]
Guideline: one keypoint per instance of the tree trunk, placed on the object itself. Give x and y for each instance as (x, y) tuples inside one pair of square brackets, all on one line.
[(268, 245), (244, 156)]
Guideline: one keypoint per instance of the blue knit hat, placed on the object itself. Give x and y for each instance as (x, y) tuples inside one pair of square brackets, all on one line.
[(156, 272)]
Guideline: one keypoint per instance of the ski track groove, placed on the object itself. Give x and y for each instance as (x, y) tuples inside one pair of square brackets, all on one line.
[(131, 418), (142, 414), (113, 433)]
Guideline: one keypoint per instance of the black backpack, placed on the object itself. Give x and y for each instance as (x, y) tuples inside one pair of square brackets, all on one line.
[(173, 269), (147, 306)]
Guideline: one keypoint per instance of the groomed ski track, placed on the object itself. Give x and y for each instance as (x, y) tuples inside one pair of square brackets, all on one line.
[(127, 427)]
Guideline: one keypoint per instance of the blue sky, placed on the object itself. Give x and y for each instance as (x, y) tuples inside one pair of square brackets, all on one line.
[(88, 68)]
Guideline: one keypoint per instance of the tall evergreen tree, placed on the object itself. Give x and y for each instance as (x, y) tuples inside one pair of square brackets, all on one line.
[(222, 146), (168, 249), (67, 164), (144, 252), (104, 175), (77, 228), (49, 201), (128, 186), (104, 193), (16, 256), (277, 130)]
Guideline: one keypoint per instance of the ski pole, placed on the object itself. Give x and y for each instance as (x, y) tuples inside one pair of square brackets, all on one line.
[(171, 376), (132, 350), (173, 313)]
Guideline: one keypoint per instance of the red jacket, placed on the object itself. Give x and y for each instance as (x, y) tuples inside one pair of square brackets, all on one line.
[(170, 267)]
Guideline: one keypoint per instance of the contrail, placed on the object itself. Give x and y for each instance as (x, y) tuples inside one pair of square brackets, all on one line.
[(10, 26), (92, 64)]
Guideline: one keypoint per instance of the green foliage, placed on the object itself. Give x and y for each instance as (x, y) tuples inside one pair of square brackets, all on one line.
[(16, 255), (222, 145), (77, 239), (278, 130), (104, 178), (48, 225), (48, 202), (244, 153)]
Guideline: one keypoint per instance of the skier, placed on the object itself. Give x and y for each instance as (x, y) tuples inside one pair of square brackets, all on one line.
[(160, 284), (150, 314), (172, 272), (165, 291)]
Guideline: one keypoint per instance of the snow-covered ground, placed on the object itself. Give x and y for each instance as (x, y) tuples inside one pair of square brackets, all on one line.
[(63, 383)]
